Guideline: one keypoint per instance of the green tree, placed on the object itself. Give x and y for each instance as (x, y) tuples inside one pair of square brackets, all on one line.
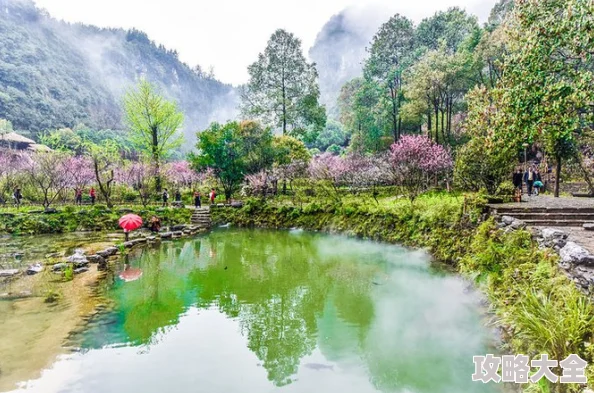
[(283, 90), (154, 123), (451, 28), (5, 126), (234, 150), (389, 56), (548, 80)]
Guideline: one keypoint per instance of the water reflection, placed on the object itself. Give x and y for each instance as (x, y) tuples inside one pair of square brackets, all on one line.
[(313, 310)]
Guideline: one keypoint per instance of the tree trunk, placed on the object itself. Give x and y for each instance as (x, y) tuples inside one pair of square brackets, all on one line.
[(156, 158), (436, 122), (557, 177), (429, 134), (394, 114)]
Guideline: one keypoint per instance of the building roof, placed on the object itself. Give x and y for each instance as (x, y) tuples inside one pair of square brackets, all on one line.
[(13, 137)]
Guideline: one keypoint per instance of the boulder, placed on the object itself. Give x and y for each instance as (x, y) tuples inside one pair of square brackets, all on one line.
[(178, 234), (575, 254), (589, 226), (220, 205), (507, 220), (96, 259), (50, 210), (237, 204), (151, 238), (552, 238), (166, 235), (78, 259), (140, 240), (178, 227), (128, 244), (9, 272), (81, 270), (178, 204)]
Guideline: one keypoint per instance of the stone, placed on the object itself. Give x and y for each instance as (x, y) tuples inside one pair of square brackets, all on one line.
[(81, 270), (138, 241), (9, 272), (178, 227), (549, 234), (237, 204), (35, 211), (108, 252), (178, 204), (58, 267), (96, 259), (518, 224), (589, 226), (178, 234), (78, 260), (151, 238), (220, 205), (576, 255), (50, 210), (34, 269), (507, 220), (128, 244), (501, 225), (166, 235)]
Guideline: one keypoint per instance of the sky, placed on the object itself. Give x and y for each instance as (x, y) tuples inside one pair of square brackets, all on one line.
[(227, 35)]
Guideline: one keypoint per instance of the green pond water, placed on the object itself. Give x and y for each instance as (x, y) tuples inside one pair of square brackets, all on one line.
[(277, 311)]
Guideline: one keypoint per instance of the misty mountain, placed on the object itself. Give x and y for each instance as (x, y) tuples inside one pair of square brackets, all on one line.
[(55, 74), (340, 49)]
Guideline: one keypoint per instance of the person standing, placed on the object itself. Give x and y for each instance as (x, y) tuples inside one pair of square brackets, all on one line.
[(212, 196), (78, 197), (17, 196), (538, 184), (178, 196), (517, 179), (529, 180), (92, 195), (197, 202), (165, 198)]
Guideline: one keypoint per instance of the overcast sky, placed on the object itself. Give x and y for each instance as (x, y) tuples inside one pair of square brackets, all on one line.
[(228, 34)]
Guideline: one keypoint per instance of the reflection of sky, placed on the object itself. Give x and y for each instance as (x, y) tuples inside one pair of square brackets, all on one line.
[(406, 331)]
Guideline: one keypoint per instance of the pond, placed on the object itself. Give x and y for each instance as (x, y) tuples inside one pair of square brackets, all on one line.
[(276, 311)]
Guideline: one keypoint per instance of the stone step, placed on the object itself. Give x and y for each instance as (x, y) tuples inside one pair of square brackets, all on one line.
[(509, 211), (552, 216), (554, 223)]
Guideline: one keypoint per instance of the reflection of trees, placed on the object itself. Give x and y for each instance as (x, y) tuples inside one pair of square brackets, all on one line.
[(275, 284)]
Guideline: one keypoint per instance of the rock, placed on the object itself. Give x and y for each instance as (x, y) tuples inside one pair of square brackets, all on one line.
[(575, 254), (128, 244), (81, 270), (58, 267), (96, 259), (552, 238), (178, 234), (140, 240), (237, 204), (151, 238), (220, 205), (9, 272), (50, 210), (507, 220), (178, 227), (166, 235), (35, 211), (178, 204), (78, 260), (501, 225), (518, 224), (108, 252), (34, 269), (589, 226)]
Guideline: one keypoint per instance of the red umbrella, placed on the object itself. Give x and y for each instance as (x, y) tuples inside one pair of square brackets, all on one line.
[(130, 222), (130, 274)]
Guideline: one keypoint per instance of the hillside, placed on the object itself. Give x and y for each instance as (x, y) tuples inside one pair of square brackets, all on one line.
[(54, 74)]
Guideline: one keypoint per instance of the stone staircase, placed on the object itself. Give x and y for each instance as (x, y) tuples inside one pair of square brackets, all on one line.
[(550, 217), (201, 218)]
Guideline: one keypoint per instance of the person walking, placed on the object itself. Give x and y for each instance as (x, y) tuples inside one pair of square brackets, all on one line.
[(92, 195), (529, 180), (197, 202), (165, 197), (212, 196), (78, 197)]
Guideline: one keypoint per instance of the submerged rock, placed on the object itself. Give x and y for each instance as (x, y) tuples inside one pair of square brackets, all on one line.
[(34, 269), (9, 272)]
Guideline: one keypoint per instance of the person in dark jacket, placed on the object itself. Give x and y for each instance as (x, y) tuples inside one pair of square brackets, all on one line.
[(518, 179), (529, 180)]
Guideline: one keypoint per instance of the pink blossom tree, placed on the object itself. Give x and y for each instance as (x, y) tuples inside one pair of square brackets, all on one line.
[(259, 183), (81, 171), (415, 161), (329, 171), (12, 164), (48, 172), (140, 176), (366, 172), (180, 174)]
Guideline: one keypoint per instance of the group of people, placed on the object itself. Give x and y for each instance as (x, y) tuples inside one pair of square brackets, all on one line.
[(197, 197), (531, 177), (78, 196)]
